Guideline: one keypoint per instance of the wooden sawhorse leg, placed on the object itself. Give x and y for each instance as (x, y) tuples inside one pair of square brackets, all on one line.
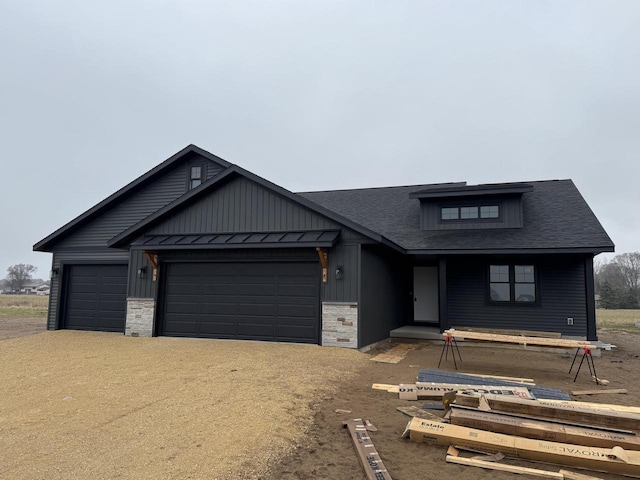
[(586, 353), (450, 344)]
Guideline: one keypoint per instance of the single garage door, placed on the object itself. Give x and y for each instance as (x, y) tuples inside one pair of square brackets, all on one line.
[(96, 297), (254, 301)]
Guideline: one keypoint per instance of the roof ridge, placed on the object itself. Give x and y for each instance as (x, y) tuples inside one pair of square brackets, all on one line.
[(384, 188)]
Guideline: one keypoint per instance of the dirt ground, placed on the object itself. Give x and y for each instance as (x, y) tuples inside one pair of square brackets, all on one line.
[(19, 327), (93, 405), (327, 451)]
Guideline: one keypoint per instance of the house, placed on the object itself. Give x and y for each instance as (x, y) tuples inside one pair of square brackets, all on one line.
[(30, 288), (199, 247)]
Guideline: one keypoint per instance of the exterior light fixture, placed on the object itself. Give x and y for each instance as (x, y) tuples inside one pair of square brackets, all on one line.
[(53, 273), (339, 272), (141, 272)]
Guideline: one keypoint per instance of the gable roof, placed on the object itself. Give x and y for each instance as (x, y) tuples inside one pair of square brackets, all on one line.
[(557, 219), (46, 243), (234, 171)]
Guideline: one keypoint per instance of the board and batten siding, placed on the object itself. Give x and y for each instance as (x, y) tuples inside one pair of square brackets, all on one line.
[(60, 259), (561, 290), (134, 208), (510, 214), (243, 206), (384, 295)]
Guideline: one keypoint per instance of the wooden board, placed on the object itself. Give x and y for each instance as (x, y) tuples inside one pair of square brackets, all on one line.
[(369, 457), (577, 476), (593, 406), (502, 467), (615, 460), (600, 391), (500, 331), (386, 387), (567, 411), (534, 341), (396, 353), (541, 429), (527, 381)]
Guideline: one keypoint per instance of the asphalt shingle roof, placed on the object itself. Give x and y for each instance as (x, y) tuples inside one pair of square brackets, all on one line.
[(556, 216)]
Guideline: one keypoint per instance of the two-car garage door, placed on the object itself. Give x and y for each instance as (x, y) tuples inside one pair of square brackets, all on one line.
[(277, 301)]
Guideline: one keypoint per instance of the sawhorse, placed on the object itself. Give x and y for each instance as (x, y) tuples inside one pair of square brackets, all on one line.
[(586, 353), (449, 344)]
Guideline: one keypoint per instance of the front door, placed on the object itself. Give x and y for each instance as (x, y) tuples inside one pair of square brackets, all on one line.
[(425, 295)]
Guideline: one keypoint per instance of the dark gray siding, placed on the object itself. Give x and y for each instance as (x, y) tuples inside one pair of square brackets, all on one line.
[(140, 287), (384, 294), (93, 256), (345, 289), (136, 207), (510, 211), (561, 289), (243, 206)]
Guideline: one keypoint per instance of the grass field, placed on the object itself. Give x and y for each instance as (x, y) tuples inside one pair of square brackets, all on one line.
[(618, 320), (24, 306), (36, 306)]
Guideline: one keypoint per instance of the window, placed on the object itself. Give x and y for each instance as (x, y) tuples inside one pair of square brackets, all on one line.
[(490, 211), (450, 213), (470, 212), (195, 178), (512, 283)]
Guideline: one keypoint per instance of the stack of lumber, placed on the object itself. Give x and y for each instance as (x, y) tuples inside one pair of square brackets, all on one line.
[(598, 437), (442, 376), (518, 339)]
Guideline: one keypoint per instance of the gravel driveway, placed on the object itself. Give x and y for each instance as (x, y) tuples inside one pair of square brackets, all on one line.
[(104, 406)]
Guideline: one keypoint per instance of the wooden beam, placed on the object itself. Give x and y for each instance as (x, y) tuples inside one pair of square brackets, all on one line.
[(527, 381), (541, 429), (369, 457), (501, 331), (504, 468), (598, 392), (592, 406), (152, 258), (556, 411), (577, 476), (614, 460), (534, 341), (322, 253)]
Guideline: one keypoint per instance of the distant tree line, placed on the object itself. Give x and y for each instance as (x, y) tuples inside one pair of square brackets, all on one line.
[(617, 282)]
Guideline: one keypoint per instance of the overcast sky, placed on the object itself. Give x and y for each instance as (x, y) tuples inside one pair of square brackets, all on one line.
[(315, 95)]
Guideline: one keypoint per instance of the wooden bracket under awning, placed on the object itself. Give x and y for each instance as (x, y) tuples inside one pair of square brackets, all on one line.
[(152, 258), (322, 253)]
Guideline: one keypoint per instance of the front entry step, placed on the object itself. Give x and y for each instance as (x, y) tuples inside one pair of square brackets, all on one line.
[(413, 331)]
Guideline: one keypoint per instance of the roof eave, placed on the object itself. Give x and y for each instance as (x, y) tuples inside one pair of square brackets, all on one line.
[(512, 251)]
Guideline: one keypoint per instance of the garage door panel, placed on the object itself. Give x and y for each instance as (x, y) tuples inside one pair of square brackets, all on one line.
[(217, 288), (296, 311), (95, 297), (258, 289), (297, 290), (218, 308), (219, 329), (253, 300)]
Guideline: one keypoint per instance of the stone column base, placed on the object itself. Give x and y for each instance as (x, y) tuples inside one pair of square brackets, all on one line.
[(340, 324), (140, 313)]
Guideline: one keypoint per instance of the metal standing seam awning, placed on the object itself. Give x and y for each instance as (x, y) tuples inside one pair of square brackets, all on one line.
[(291, 239)]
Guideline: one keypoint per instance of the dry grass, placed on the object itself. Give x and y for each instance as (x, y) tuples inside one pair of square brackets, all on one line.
[(618, 320), (24, 306)]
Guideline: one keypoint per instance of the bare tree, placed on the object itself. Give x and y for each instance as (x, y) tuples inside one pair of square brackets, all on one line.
[(18, 275), (629, 264)]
